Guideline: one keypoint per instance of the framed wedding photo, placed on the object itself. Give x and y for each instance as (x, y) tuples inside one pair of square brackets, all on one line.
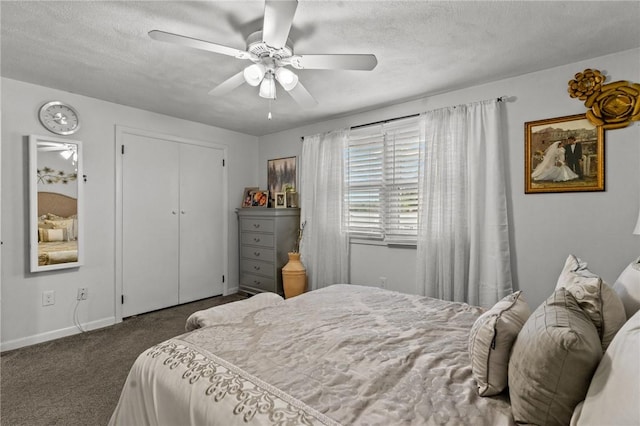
[(563, 154)]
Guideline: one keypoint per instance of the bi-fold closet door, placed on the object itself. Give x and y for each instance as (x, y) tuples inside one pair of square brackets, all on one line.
[(172, 223)]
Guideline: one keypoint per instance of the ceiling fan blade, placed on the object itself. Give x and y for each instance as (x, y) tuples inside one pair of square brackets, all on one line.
[(278, 16), (201, 44), (302, 96), (228, 85), (334, 62)]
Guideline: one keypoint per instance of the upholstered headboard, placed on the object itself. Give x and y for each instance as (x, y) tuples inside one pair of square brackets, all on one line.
[(58, 204)]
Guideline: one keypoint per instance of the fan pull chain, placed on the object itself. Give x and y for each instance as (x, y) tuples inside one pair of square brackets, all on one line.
[(269, 116)]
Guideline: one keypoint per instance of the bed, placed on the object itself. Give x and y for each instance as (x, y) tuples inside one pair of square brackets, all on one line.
[(341, 355), (57, 228)]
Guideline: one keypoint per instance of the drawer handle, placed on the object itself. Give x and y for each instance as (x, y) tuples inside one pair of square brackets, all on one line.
[(256, 239), (256, 225), (256, 267), (256, 253), (257, 282)]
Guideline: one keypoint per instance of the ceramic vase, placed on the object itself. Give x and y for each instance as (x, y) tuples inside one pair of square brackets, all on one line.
[(294, 276)]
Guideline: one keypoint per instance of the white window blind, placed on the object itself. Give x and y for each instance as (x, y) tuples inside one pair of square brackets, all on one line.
[(382, 165)]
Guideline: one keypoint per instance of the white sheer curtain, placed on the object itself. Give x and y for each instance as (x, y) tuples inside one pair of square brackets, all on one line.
[(325, 246), (463, 236)]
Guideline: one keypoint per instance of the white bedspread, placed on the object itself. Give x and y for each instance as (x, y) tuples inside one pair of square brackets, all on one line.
[(345, 354), (231, 312)]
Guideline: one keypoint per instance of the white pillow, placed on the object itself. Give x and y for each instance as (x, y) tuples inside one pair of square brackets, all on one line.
[(50, 235), (628, 288), (490, 342), (595, 297), (613, 397)]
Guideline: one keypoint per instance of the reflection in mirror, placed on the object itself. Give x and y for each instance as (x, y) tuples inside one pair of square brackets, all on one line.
[(55, 166)]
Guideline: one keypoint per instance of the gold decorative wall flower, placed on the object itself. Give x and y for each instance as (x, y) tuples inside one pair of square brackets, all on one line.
[(585, 84), (613, 105)]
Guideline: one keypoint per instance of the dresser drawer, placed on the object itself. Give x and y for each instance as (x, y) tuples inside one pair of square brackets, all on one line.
[(258, 267), (253, 238), (257, 253), (257, 282), (256, 225)]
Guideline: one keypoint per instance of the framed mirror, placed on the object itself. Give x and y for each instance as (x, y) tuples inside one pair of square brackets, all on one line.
[(55, 203)]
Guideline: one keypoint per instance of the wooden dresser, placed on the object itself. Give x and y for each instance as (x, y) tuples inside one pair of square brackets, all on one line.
[(265, 236)]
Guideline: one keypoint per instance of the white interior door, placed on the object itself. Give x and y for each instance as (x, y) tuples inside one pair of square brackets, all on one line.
[(201, 222), (150, 224)]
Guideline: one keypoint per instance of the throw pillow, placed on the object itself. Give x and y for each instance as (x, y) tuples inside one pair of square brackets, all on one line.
[(627, 286), (51, 235), (612, 397), (552, 362), (596, 298), (67, 224), (491, 340)]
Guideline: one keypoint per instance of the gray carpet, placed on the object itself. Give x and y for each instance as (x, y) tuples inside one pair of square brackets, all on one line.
[(77, 380)]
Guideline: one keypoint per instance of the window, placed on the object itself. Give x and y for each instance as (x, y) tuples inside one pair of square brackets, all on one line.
[(381, 188)]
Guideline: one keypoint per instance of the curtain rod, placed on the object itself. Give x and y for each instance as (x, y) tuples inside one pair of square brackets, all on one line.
[(500, 99)]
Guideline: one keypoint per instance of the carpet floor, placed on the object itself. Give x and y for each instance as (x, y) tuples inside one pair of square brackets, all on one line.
[(77, 380)]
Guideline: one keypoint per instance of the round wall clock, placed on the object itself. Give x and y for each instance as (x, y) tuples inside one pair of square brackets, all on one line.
[(59, 118)]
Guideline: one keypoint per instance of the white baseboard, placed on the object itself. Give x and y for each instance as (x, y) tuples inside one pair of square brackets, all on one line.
[(231, 290), (55, 334)]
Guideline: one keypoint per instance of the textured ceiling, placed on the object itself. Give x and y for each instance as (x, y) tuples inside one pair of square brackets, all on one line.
[(101, 49)]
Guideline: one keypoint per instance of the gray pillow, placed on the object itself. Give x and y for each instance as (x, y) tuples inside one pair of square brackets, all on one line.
[(594, 296), (552, 362), (491, 340)]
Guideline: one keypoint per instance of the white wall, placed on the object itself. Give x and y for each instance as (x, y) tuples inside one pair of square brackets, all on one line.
[(545, 228), (24, 319)]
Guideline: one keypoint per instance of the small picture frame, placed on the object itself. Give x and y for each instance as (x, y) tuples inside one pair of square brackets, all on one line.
[(563, 154), (280, 200), (260, 198), (246, 196)]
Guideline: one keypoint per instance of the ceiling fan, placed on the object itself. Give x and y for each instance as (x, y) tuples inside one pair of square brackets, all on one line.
[(271, 52)]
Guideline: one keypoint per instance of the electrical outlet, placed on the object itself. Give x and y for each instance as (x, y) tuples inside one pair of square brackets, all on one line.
[(383, 282), (48, 298), (83, 293)]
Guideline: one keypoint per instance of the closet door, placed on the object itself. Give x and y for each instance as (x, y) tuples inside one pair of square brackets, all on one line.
[(150, 224), (201, 222)]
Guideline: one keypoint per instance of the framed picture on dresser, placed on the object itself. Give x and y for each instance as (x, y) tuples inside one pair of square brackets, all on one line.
[(259, 198), (246, 196), (280, 200)]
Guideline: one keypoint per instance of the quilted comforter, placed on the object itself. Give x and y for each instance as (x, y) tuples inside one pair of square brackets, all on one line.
[(345, 354)]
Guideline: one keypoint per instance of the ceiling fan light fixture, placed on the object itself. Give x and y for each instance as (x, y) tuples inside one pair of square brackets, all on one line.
[(268, 87), (287, 78), (271, 52), (254, 74)]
